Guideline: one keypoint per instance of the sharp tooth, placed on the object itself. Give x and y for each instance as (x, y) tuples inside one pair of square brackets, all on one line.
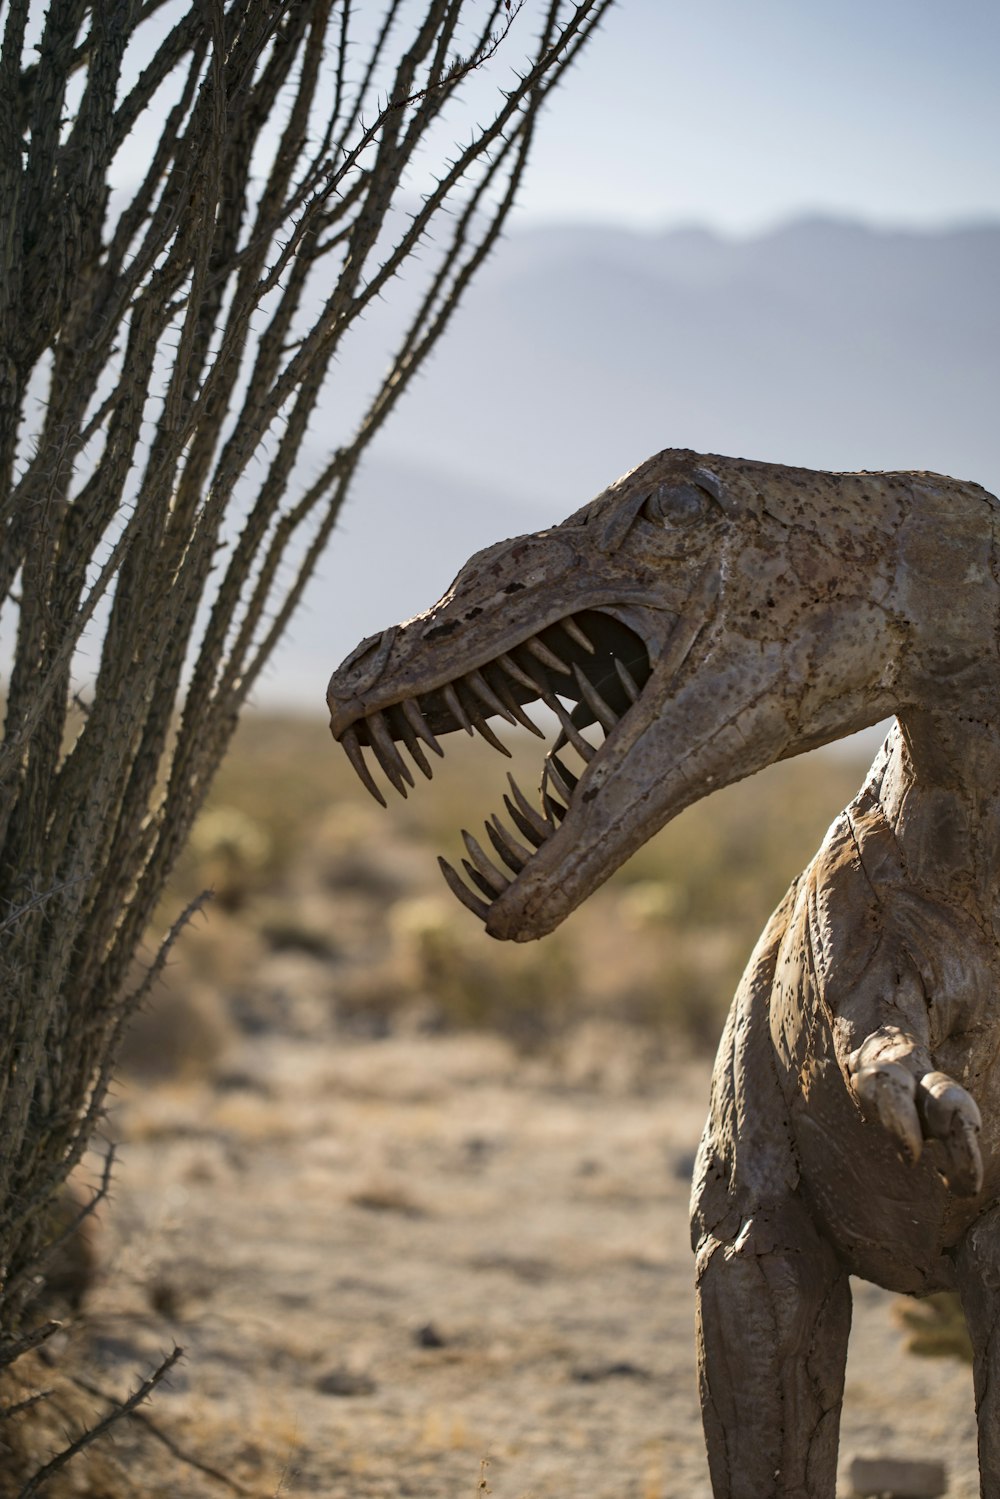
[(528, 818), (352, 749), (477, 879), (518, 712), (525, 826), (518, 673), (547, 657), (553, 808), (409, 738), (528, 723), (605, 717), (484, 692), (457, 887), (522, 824), (563, 780), (583, 747), (575, 633), (454, 702), (547, 695), (627, 680), (497, 882), (563, 741), (387, 754), (513, 854), (419, 725), (483, 728)]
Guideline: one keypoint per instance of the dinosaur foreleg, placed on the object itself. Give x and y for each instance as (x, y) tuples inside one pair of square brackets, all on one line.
[(977, 1270), (774, 1313), (895, 1079)]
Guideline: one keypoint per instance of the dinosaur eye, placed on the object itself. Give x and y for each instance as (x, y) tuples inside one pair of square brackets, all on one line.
[(676, 504)]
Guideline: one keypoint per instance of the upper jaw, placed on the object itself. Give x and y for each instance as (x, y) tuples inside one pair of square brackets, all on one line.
[(390, 668), (596, 660)]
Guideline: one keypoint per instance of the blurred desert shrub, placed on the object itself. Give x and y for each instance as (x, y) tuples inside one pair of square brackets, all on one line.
[(182, 1031), (936, 1326), (527, 995), (301, 859), (233, 852)]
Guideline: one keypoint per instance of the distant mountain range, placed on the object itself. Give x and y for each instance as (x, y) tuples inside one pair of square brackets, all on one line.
[(580, 351)]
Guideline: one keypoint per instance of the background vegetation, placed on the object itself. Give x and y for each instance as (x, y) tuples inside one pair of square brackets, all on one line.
[(303, 863)]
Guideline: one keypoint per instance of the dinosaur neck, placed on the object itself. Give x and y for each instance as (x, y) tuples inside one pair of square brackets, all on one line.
[(941, 794)]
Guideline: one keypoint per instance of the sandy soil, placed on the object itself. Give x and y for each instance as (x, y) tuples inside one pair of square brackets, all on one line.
[(425, 1266)]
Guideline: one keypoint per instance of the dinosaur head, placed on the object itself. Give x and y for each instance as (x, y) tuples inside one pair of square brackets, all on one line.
[(700, 619)]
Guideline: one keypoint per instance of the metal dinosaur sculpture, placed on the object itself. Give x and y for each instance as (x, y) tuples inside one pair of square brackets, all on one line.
[(712, 616)]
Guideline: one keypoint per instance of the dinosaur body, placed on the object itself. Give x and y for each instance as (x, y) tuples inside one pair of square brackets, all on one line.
[(711, 616), (859, 961)]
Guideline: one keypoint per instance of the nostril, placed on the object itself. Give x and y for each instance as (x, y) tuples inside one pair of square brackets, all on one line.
[(362, 668), (363, 654)]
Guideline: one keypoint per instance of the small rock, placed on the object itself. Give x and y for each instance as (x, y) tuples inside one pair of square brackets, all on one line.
[(166, 1298), (241, 1080), (478, 1148), (342, 1382), (429, 1337), (592, 1373), (897, 1478), (386, 1197)]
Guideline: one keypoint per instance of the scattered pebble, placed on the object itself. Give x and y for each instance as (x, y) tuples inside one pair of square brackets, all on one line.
[(592, 1373), (429, 1337), (345, 1383)]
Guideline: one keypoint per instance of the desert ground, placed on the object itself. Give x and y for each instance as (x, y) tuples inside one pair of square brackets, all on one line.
[(410, 1265), (414, 1204)]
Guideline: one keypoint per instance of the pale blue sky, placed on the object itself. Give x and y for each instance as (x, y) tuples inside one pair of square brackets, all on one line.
[(740, 115)]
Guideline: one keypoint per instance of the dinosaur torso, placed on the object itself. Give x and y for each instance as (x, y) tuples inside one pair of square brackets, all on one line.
[(854, 929)]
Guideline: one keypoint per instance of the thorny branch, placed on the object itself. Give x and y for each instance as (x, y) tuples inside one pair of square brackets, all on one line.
[(143, 1419), (92, 1433), (201, 200)]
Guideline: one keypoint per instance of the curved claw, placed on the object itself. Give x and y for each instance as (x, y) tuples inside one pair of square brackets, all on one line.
[(886, 1090), (951, 1115)]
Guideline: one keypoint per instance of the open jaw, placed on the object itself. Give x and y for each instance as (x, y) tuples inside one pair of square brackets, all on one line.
[(588, 669)]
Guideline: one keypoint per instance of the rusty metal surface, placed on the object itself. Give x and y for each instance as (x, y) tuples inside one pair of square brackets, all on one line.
[(702, 618)]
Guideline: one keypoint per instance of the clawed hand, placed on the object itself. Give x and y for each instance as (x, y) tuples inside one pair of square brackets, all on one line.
[(894, 1080)]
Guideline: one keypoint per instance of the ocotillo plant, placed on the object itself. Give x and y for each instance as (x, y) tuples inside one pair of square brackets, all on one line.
[(160, 328)]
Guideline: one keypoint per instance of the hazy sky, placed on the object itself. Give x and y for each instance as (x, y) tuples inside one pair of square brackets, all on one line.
[(734, 114), (741, 113)]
